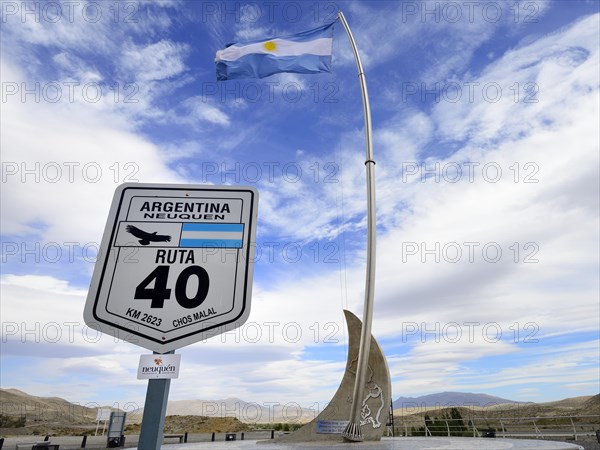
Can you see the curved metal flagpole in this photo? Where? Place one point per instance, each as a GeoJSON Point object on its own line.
{"type": "Point", "coordinates": [353, 432]}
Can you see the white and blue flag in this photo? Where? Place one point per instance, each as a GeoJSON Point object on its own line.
{"type": "Point", "coordinates": [212, 235]}
{"type": "Point", "coordinates": [306, 52]}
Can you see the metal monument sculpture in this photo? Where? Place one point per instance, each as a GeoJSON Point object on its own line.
{"type": "Point", "coordinates": [373, 405]}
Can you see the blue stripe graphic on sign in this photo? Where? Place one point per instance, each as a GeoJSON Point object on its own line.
{"type": "Point", "coordinates": [212, 235]}
{"type": "Point", "coordinates": [211, 243]}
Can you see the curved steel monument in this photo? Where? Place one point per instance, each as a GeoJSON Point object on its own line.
{"type": "Point", "coordinates": [374, 404]}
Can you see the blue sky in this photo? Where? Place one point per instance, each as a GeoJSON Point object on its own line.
{"type": "Point", "coordinates": [485, 120]}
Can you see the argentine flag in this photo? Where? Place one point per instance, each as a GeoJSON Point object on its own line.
{"type": "Point", "coordinates": [212, 235]}
{"type": "Point", "coordinates": [306, 52]}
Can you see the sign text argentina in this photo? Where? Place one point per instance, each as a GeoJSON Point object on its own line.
{"type": "Point", "coordinates": [175, 265]}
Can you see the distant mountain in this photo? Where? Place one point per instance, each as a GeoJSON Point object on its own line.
{"type": "Point", "coordinates": [17, 403]}
{"type": "Point", "coordinates": [248, 412]}
{"type": "Point", "coordinates": [574, 402]}
{"type": "Point", "coordinates": [14, 402]}
{"type": "Point", "coordinates": [449, 399]}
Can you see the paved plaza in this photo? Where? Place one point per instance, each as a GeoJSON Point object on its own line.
{"type": "Point", "coordinates": [400, 443]}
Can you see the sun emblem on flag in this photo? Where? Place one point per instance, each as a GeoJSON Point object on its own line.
{"type": "Point", "coordinates": [270, 46]}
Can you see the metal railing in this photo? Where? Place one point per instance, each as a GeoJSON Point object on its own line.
{"type": "Point", "coordinates": [574, 426]}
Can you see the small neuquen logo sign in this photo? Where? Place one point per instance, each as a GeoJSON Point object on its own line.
{"type": "Point", "coordinates": [163, 366]}
{"type": "Point", "coordinates": [159, 369]}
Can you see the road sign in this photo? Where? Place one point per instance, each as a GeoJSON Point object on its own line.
{"type": "Point", "coordinates": [103, 414]}
{"type": "Point", "coordinates": [175, 264]}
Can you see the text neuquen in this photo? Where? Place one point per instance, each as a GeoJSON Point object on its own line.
{"type": "Point", "coordinates": [159, 369]}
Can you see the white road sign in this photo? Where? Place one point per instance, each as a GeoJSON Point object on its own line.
{"type": "Point", "coordinates": [103, 414]}
{"type": "Point", "coordinates": [175, 264]}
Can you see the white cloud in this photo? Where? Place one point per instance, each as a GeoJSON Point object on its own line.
{"type": "Point", "coordinates": [527, 89]}
{"type": "Point", "coordinates": [76, 25]}
{"type": "Point", "coordinates": [153, 62]}
{"type": "Point", "coordinates": [547, 185]}
{"type": "Point", "coordinates": [76, 69]}
{"type": "Point", "coordinates": [86, 152]}
{"type": "Point", "coordinates": [242, 359]}
{"type": "Point", "coordinates": [199, 109]}
{"type": "Point", "coordinates": [561, 367]}
{"type": "Point", "coordinates": [54, 316]}
{"type": "Point", "coordinates": [537, 207]}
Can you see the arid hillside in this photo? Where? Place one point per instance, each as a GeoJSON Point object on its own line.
{"type": "Point", "coordinates": [24, 414]}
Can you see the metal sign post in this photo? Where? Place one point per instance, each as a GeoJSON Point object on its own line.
{"type": "Point", "coordinates": [155, 409]}
{"type": "Point", "coordinates": [102, 415]}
